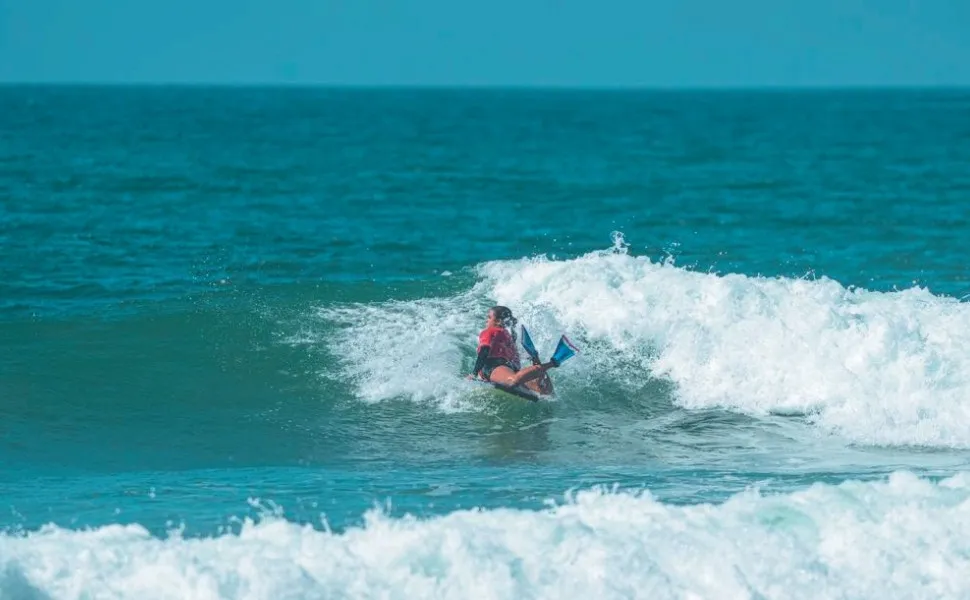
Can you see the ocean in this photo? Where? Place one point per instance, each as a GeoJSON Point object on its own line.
{"type": "Point", "coordinates": [235, 325]}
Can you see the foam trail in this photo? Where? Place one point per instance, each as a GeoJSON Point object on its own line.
{"type": "Point", "coordinates": [412, 350]}
{"type": "Point", "coordinates": [901, 538]}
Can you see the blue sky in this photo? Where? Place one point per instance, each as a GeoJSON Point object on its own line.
{"type": "Point", "coordinates": [499, 42]}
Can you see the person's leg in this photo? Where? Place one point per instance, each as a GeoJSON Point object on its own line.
{"type": "Point", "coordinates": [541, 385]}
{"type": "Point", "coordinates": [544, 384]}
{"type": "Point", "coordinates": [530, 373]}
{"type": "Point", "coordinates": [502, 374]}
{"type": "Point", "coordinates": [506, 376]}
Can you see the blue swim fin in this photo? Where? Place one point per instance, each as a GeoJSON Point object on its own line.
{"type": "Point", "coordinates": [564, 351]}
{"type": "Point", "coordinates": [530, 348]}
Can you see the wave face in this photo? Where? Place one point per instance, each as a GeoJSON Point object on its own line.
{"type": "Point", "coordinates": [882, 368]}
{"type": "Point", "coordinates": [902, 538]}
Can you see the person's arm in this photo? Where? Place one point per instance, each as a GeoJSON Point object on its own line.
{"type": "Point", "coordinates": [480, 361]}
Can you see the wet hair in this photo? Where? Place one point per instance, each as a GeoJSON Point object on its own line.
{"type": "Point", "coordinates": [503, 315]}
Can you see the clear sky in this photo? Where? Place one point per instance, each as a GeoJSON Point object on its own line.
{"type": "Point", "coordinates": [669, 43]}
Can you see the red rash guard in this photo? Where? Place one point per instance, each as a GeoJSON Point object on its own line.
{"type": "Point", "coordinates": [501, 347]}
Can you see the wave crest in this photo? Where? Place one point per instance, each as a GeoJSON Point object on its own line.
{"type": "Point", "coordinates": [877, 368]}
{"type": "Point", "coordinates": [905, 537]}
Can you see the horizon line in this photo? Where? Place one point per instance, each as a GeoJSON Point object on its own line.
{"type": "Point", "coordinates": [490, 86]}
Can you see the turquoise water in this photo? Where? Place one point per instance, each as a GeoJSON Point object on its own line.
{"type": "Point", "coordinates": [235, 325]}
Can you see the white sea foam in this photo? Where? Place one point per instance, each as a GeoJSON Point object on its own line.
{"type": "Point", "coordinates": [412, 350]}
{"type": "Point", "coordinates": [884, 368]}
{"type": "Point", "coordinates": [877, 368]}
{"type": "Point", "coordinates": [901, 538]}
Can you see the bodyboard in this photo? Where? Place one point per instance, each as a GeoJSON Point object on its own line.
{"type": "Point", "coordinates": [518, 391]}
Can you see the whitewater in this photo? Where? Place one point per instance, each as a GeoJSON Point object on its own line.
{"type": "Point", "coordinates": [878, 368]}
{"type": "Point", "coordinates": [904, 538]}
